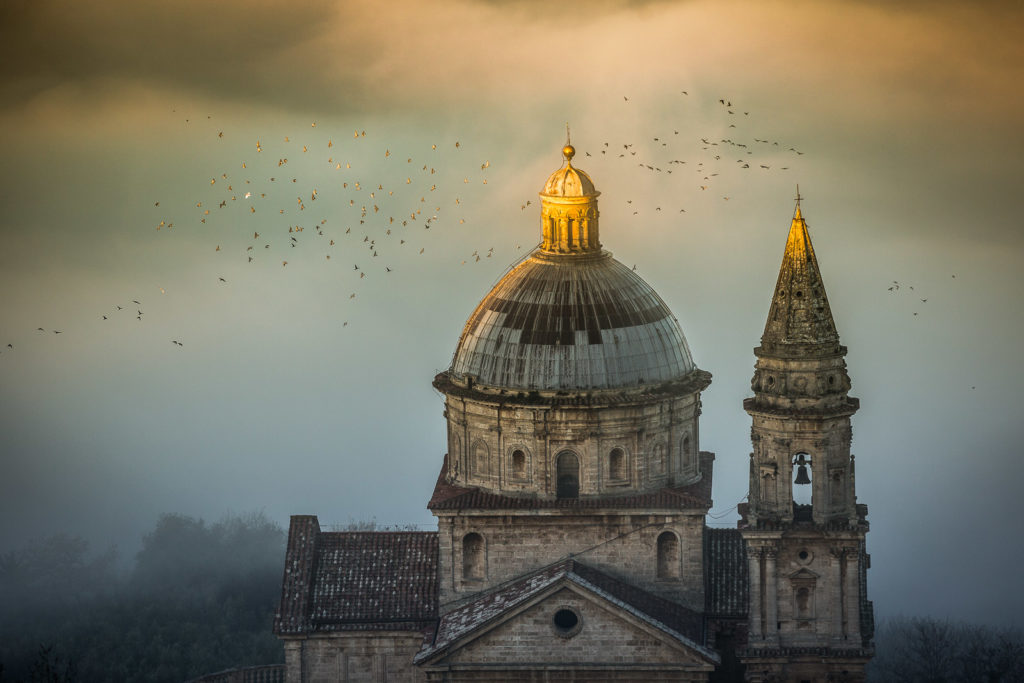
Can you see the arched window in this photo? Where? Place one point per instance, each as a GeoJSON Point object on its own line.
{"type": "Point", "coordinates": [617, 465]}
{"type": "Point", "coordinates": [668, 555]}
{"type": "Point", "coordinates": [472, 556]}
{"type": "Point", "coordinates": [567, 471]}
{"type": "Point", "coordinates": [481, 460]}
{"type": "Point", "coordinates": [518, 464]}
{"type": "Point", "coordinates": [688, 461]}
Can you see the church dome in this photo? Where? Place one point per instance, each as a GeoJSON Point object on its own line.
{"type": "Point", "coordinates": [570, 317]}
{"type": "Point", "coordinates": [571, 323]}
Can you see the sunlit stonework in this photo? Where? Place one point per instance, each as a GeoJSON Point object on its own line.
{"type": "Point", "coordinates": [571, 504]}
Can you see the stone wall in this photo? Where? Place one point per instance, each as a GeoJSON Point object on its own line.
{"type": "Point", "coordinates": [621, 544]}
{"type": "Point", "coordinates": [354, 657]}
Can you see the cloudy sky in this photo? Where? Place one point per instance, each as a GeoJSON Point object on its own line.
{"type": "Point", "coordinates": [144, 146]}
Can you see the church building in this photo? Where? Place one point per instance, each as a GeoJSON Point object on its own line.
{"type": "Point", "coordinates": [571, 540]}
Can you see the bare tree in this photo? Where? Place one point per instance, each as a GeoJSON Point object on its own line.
{"type": "Point", "coordinates": [928, 650]}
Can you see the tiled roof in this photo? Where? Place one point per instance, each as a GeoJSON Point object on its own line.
{"type": "Point", "coordinates": [366, 580]}
{"type": "Point", "coordinates": [677, 617]}
{"type": "Point", "coordinates": [693, 497]}
{"type": "Point", "coordinates": [296, 586]}
{"type": "Point", "coordinates": [725, 573]}
{"type": "Point", "coordinates": [675, 620]}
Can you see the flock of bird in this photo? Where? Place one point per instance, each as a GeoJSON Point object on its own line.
{"type": "Point", "coordinates": [713, 157]}
{"type": "Point", "coordinates": [896, 288]}
{"type": "Point", "coordinates": [372, 205]}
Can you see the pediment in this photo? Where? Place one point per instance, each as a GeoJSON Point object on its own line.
{"type": "Point", "coordinates": [804, 574]}
{"type": "Point", "coordinates": [571, 623]}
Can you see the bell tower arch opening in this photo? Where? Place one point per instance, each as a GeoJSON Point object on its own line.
{"type": "Point", "coordinates": [803, 486]}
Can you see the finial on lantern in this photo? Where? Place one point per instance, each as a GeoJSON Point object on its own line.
{"type": "Point", "coordinates": [568, 151]}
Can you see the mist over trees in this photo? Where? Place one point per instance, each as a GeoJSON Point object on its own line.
{"type": "Point", "coordinates": [198, 598]}
{"type": "Point", "coordinates": [927, 650]}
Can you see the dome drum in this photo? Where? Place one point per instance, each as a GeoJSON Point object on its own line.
{"type": "Point", "coordinates": [514, 448]}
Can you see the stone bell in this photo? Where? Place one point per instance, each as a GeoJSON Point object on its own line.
{"type": "Point", "coordinates": [801, 472]}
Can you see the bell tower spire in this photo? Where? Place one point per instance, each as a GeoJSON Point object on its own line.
{"type": "Point", "coordinates": [799, 318]}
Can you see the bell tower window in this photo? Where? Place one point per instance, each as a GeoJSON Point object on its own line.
{"type": "Point", "coordinates": [802, 479]}
{"type": "Point", "coordinates": [567, 470]}
{"type": "Point", "coordinates": [802, 487]}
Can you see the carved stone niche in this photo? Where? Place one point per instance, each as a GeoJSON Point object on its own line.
{"type": "Point", "coordinates": [803, 582]}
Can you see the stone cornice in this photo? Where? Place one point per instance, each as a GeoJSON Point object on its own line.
{"type": "Point", "coordinates": [694, 382]}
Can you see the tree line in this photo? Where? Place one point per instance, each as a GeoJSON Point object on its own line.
{"type": "Point", "coordinates": [198, 598]}
{"type": "Point", "coordinates": [928, 650]}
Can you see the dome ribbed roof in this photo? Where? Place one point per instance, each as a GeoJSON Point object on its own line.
{"type": "Point", "coordinates": [569, 182]}
{"type": "Point", "coordinates": [571, 323]}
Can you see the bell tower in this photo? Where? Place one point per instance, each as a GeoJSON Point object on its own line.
{"type": "Point", "coordinates": [802, 525]}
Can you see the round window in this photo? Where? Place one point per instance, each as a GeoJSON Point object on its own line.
{"type": "Point", "coordinates": [566, 622]}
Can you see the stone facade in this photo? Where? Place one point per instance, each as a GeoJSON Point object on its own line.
{"type": "Point", "coordinates": [625, 545]}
